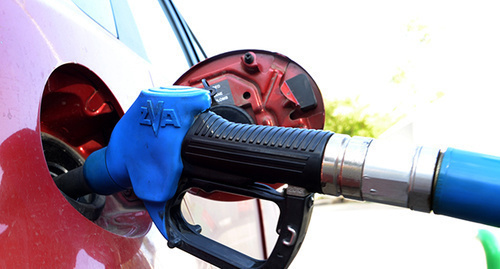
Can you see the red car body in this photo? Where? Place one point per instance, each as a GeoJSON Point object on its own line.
{"type": "Point", "coordinates": [42, 56]}
{"type": "Point", "coordinates": [67, 79]}
{"type": "Point", "coordinates": [69, 71]}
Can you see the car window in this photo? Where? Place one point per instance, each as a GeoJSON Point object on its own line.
{"type": "Point", "coordinates": [126, 27]}
{"type": "Point", "coordinates": [143, 26]}
{"type": "Point", "coordinates": [190, 45]}
{"type": "Point", "coordinates": [116, 17]}
{"type": "Point", "coordinates": [160, 42]}
{"type": "Point", "coordinates": [100, 11]}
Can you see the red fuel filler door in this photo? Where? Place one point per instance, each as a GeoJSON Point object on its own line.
{"type": "Point", "coordinates": [259, 87]}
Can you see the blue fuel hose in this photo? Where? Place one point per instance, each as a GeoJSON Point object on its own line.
{"type": "Point", "coordinates": [468, 187]}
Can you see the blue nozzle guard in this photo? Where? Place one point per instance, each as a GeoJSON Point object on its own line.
{"type": "Point", "coordinates": [144, 152]}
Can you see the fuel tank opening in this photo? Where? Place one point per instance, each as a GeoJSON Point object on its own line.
{"type": "Point", "coordinates": [60, 159]}
{"type": "Point", "coordinates": [77, 115]}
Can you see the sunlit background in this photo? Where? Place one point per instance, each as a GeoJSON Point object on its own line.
{"type": "Point", "coordinates": [390, 53]}
{"type": "Point", "coordinates": [426, 71]}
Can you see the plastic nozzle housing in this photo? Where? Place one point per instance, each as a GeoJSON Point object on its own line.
{"type": "Point", "coordinates": [144, 152]}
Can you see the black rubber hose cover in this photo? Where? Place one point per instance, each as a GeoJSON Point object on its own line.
{"type": "Point", "coordinates": [236, 154]}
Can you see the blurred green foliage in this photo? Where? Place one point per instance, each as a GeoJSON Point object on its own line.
{"type": "Point", "coordinates": [348, 116]}
{"type": "Point", "coordinates": [408, 91]}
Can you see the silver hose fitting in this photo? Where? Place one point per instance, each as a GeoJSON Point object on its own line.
{"type": "Point", "coordinates": [371, 170]}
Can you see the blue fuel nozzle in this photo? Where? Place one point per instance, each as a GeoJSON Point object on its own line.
{"type": "Point", "coordinates": [168, 132]}
{"type": "Point", "coordinates": [144, 152]}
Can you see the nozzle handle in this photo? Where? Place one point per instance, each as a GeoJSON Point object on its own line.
{"type": "Point", "coordinates": [468, 187]}
{"type": "Point", "coordinates": [239, 154]}
{"type": "Point", "coordinates": [295, 206]}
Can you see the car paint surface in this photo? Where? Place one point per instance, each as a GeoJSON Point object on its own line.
{"type": "Point", "coordinates": [64, 75]}
{"type": "Point", "coordinates": [60, 71]}
{"type": "Point", "coordinates": [37, 226]}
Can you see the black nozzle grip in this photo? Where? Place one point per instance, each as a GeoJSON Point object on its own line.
{"type": "Point", "coordinates": [238, 154]}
